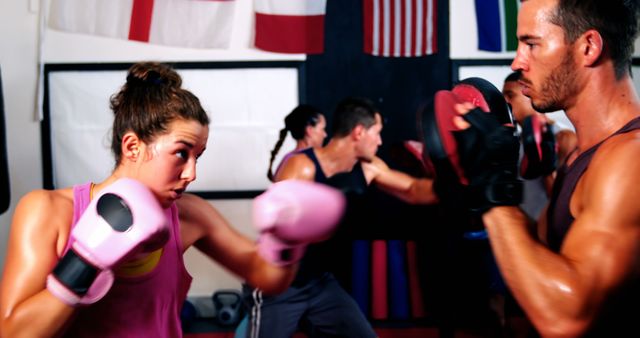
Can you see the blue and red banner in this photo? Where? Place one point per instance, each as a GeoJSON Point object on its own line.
{"type": "Point", "coordinates": [497, 22]}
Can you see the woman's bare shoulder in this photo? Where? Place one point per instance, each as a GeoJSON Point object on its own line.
{"type": "Point", "coordinates": [42, 201]}
{"type": "Point", "coordinates": [48, 213]}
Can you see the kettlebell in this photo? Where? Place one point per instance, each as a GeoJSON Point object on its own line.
{"type": "Point", "coordinates": [227, 304]}
{"type": "Point", "coordinates": [188, 315]}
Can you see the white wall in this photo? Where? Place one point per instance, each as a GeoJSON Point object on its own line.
{"type": "Point", "coordinates": [19, 31]}
{"type": "Point", "coordinates": [18, 58]}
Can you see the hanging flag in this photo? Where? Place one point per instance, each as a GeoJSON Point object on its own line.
{"type": "Point", "coordinates": [184, 23]}
{"type": "Point", "coordinates": [497, 21]}
{"type": "Point", "coordinates": [290, 26]}
{"type": "Point", "coordinates": [400, 28]}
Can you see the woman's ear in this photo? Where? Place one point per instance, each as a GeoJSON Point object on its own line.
{"type": "Point", "coordinates": [308, 130]}
{"type": "Point", "coordinates": [131, 145]}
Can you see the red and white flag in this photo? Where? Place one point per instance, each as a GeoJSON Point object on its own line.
{"type": "Point", "coordinates": [185, 23]}
{"type": "Point", "coordinates": [290, 26]}
{"type": "Point", "coordinates": [400, 28]}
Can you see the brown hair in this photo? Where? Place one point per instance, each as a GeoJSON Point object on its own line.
{"type": "Point", "coordinates": [351, 112]}
{"type": "Point", "coordinates": [149, 101]}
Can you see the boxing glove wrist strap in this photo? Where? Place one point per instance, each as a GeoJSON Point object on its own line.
{"type": "Point", "coordinates": [504, 193]}
{"type": "Point", "coordinates": [497, 193]}
{"type": "Point", "coordinates": [76, 282]}
{"type": "Point", "coordinates": [75, 273]}
{"type": "Point", "coordinates": [278, 252]}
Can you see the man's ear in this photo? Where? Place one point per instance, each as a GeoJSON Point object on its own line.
{"type": "Point", "coordinates": [131, 146]}
{"type": "Point", "coordinates": [357, 132]}
{"type": "Point", "coordinates": [590, 46]}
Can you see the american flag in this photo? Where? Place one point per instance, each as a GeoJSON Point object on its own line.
{"type": "Point", "coordinates": [400, 28]}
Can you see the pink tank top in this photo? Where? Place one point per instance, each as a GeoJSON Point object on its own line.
{"type": "Point", "coordinates": [144, 306]}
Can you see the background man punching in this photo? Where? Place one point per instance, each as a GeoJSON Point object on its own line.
{"type": "Point", "coordinates": [348, 162]}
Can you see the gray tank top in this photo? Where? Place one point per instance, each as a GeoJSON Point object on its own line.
{"type": "Point", "coordinates": [620, 312]}
{"type": "Point", "coordinates": [559, 216]}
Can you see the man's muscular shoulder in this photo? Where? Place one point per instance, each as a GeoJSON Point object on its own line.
{"type": "Point", "coordinates": [618, 151]}
{"type": "Point", "coordinates": [299, 166]}
{"type": "Point", "coordinates": [612, 172]}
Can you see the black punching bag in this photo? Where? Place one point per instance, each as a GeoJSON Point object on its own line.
{"type": "Point", "coordinates": [5, 192]}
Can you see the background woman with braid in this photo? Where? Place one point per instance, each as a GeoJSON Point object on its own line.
{"type": "Point", "coordinates": [307, 126]}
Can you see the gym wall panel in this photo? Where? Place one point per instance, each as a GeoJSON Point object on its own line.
{"type": "Point", "coordinates": [245, 108]}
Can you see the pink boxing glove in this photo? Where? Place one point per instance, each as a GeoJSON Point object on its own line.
{"type": "Point", "coordinates": [124, 219]}
{"type": "Point", "coordinates": [292, 214]}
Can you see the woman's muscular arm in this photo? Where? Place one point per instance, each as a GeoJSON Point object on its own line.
{"type": "Point", "coordinates": [39, 232]}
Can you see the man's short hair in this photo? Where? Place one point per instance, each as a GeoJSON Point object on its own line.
{"type": "Point", "coordinates": [615, 20]}
{"type": "Point", "coordinates": [351, 112]}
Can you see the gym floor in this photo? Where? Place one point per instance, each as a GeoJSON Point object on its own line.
{"type": "Point", "coordinates": [207, 328]}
